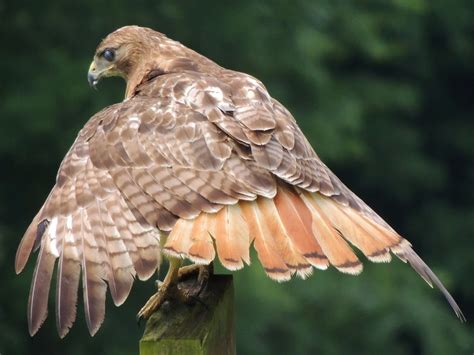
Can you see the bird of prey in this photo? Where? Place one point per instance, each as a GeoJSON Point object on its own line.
{"type": "Point", "coordinates": [197, 162]}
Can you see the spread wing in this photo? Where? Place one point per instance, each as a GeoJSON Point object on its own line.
{"type": "Point", "coordinates": [212, 161]}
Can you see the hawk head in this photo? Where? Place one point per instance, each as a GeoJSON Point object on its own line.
{"type": "Point", "coordinates": [133, 52]}
{"type": "Point", "coordinates": [122, 51]}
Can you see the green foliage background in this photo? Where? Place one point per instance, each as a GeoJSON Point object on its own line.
{"type": "Point", "coordinates": [384, 91]}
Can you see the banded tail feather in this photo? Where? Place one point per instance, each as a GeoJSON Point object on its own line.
{"type": "Point", "coordinates": [292, 232]}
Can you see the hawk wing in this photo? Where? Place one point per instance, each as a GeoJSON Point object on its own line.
{"type": "Point", "coordinates": [216, 163]}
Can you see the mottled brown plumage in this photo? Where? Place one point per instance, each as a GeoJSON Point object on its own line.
{"type": "Point", "coordinates": [202, 153]}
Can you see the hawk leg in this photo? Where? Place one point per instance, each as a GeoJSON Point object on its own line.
{"type": "Point", "coordinates": [170, 290]}
{"type": "Point", "coordinates": [203, 271]}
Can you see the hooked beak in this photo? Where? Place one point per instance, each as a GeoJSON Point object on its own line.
{"type": "Point", "coordinates": [93, 80]}
{"type": "Point", "coordinates": [93, 75]}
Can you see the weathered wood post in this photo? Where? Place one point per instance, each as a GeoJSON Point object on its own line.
{"type": "Point", "coordinates": [204, 328]}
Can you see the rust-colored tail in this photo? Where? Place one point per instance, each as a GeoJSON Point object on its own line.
{"type": "Point", "coordinates": [292, 233]}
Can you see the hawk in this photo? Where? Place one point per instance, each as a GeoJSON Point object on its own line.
{"type": "Point", "coordinates": [197, 162]}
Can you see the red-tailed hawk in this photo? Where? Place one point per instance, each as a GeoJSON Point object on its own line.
{"type": "Point", "coordinates": [198, 161]}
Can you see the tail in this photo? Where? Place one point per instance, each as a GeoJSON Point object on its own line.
{"type": "Point", "coordinates": [292, 233]}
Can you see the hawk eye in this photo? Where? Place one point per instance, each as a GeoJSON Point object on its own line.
{"type": "Point", "coordinates": [109, 55]}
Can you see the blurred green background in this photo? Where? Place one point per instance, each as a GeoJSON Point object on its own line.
{"type": "Point", "coordinates": [383, 89]}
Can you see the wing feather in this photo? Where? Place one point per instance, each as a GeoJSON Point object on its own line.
{"type": "Point", "coordinates": [31, 236]}
{"type": "Point", "coordinates": [94, 271]}
{"type": "Point", "coordinates": [69, 271]}
{"type": "Point", "coordinates": [40, 285]}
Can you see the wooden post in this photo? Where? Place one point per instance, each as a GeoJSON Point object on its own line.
{"type": "Point", "coordinates": [205, 328]}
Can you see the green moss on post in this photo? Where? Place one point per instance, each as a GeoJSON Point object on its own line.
{"type": "Point", "coordinates": [205, 328]}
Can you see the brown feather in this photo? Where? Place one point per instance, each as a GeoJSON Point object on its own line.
{"type": "Point", "coordinates": [376, 230]}
{"type": "Point", "coordinates": [255, 117]}
{"type": "Point", "coordinates": [142, 240]}
{"type": "Point", "coordinates": [232, 238]}
{"type": "Point", "coordinates": [334, 247]}
{"type": "Point", "coordinates": [405, 252]}
{"type": "Point", "coordinates": [202, 249]}
{"type": "Point", "coordinates": [179, 240]}
{"type": "Point", "coordinates": [211, 185]}
{"type": "Point", "coordinates": [27, 242]}
{"type": "Point", "coordinates": [266, 249]}
{"type": "Point", "coordinates": [141, 199]}
{"type": "Point", "coordinates": [351, 228]}
{"type": "Point", "coordinates": [297, 220]}
{"type": "Point", "coordinates": [93, 274]}
{"type": "Point", "coordinates": [293, 259]}
{"type": "Point", "coordinates": [268, 156]}
{"type": "Point", "coordinates": [120, 264]}
{"type": "Point", "coordinates": [69, 272]}
{"type": "Point", "coordinates": [40, 285]}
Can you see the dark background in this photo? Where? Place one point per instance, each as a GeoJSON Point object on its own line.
{"type": "Point", "coordinates": [383, 90]}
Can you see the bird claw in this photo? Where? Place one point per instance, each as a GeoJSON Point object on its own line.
{"type": "Point", "coordinates": [169, 290]}
{"type": "Point", "coordinates": [158, 284]}
{"type": "Point", "coordinates": [153, 303]}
